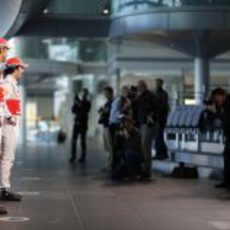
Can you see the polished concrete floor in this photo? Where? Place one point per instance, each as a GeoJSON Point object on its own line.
{"type": "Point", "coordinates": [58, 196]}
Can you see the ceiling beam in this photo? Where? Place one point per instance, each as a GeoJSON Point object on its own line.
{"type": "Point", "coordinates": [66, 26]}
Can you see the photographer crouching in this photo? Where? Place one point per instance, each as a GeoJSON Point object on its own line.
{"type": "Point", "coordinates": [131, 157]}
{"type": "Point", "coordinates": [120, 106]}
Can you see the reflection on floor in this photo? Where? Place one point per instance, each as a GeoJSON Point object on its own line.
{"type": "Point", "coordinates": [58, 196]}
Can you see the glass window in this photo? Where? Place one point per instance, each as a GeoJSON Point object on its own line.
{"type": "Point", "coordinates": [128, 6]}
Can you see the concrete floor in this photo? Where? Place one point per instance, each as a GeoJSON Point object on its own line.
{"type": "Point", "coordinates": [60, 196]}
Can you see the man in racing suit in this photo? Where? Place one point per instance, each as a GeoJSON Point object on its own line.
{"type": "Point", "coordinates": [3, 55]}
{"type": "Point", "coordinates": [12, 74]}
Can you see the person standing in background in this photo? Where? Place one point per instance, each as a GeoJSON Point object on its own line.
{"type": "Point", "coordinates": [80, 109]}
{"type": "Point", "coordinates": [163, 107]}
{"type": "Point", "coordinates": [120, 107]}
{"type": "Point", "coordinates": [221, 101]}
{"type": "Point", "coordinates": [104, 121]}
{"type": "Point", "coordinates": [3, 56]}
{"type": "Point", "coordinates": [147, 113]}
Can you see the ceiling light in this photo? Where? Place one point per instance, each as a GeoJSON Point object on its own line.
{"type": "Point", "coordinates": [106, 8]}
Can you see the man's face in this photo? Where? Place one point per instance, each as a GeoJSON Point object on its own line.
{"type": "Point", "coordinates": [219, 100]}
{"type": "Point", "coordinates": [84, 94]}
{"type": "Point", "coordinates": [3, 54]}
{"type": "Point", "coordinates": [125, 92]}
{"type": "Point", "coordinates": [108, 95]}
{"type": "Point", "coordinates": [141, 87]}
{"type": "Point", "coordinates": [18, 73]}
{"type": "Point", "coordinates": [158, 84]}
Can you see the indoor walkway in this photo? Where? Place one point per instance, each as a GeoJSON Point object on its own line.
{"type": "Point", "coordinates": [58, 196]}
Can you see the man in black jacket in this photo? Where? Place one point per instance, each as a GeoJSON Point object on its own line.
{"type": "Point", "coordinates": [80, 109]}
{"type": "Point", "coordinates": [222, 104]}
{"type": "Point", "coordinates": [147, 110]}
{"type": "Point", "coordinates": [163, 107]}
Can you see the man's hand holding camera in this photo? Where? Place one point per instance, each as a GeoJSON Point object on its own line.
{"type": "Point", "coordinates": [11, 121]}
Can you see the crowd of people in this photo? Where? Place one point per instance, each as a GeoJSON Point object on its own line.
{"type": "Point", "coordinates": [134, 122]}
{"type": "Point", "coordinates": [220, 107]}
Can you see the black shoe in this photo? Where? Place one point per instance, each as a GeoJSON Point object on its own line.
{"type": "Point", "coordinates": [145, 176]}
{"type": "Point", "coordinates": [221, 185]}
{"type": "Point", "coordinates": [72, 159]}
{"type": "Point", "coordinates": [160, 158]}
{"type": "Point", "coordinates": [3, 211]}
{"type": "Point", "coordinates": [81, 160]}
{"type": "Point", "coordinates": [10, 196]}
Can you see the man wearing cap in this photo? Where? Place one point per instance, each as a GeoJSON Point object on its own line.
{"type": "Point", "coordinates": [12, 73]}
{"type": "Point", "coordinates": [3, 55]}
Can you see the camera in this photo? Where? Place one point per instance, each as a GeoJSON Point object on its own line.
{"type": "Point", "coordinates": [208, 102]}
{"type": "Point", "coordinates": [102, 115]}
{"type": "Point", "coordinates": [100, 110]}
{"type": "Point", "coordinates": [121, 118]}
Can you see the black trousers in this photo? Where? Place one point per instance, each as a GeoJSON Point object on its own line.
{"type": "Point", "coordinates": [113, 129]}
{"type": "Point", "coordinates": [82, 132]}
{"type": "Point", "coordinates": [227, 162]}
{"type": "Point", "coordinates": [130, 166]}
{"type": "Point", "coordinates": [160, 146]}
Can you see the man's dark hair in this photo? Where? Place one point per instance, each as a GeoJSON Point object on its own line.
{"type": "Point", "coordinates": [218, 91]}
{"type": "Point", "coordinates": [76, 97]}
{"type": "Point", "coordinates": [109, 89]}
{"type": "Point", "coordinates": [134, 88]}
{"type": "Point", "coordinates": [85, 91]}
{"type": "Point", "coordinates": [10, 70]}
{"type": "Point", "coordinates": [160, 80]}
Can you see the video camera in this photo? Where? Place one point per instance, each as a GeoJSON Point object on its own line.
{"type": "Point", "coordinates": [208, 102]}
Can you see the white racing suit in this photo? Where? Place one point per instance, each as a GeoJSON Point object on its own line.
{"type": "Point", "coordinates": [9, 133]}
{"type": "Point", "coordinates": [1, 122]}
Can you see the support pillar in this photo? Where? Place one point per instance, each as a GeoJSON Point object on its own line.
{"type": "Point", "coordinates": [23, 126]}
{"type": "Point", "coordinates": [118, 81]}
{"type": "Point", "coordinates": [202, 68]}
{"type": "Point", "coordinates": [201, 80]}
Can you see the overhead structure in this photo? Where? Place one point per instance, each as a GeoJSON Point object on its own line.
{"type": "Point", "coordinates": [15, 13]}
{"type": "Point", "coordinates": [197, 28]}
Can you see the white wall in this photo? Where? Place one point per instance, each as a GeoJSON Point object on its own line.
{"type": "Point", "coordinates": [45, 107]}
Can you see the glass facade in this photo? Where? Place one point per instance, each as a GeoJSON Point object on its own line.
{"type": "Point", "coordinates": [129, 6]}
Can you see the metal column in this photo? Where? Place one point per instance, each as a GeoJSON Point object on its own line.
{"type": "Point", "coordinates": [201, 80]}
{"type": "Point", "coordinates": [202, 68]}
{"type": "Point", "coordinates": [23, 127]}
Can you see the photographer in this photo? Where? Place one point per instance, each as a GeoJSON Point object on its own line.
{"type": "Point", "coordinates": [130, 151]}
{"type": "Point", "coordinates": [80, 109]}
{"type": "Point", "coordinates": [209, 117]}
{"type": "Point", "coordinates": [133, 96]}
{"type": "Point", "coordinates": [163, 107]}
{"type": "Point", "coordinates": [120, 106]}
{"type": "Point", "coordinates": [147, 112]}
{"type": "Point", "coordinates": [104, 114]}
{"type": "Point", "coordinates": [222, 106]}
